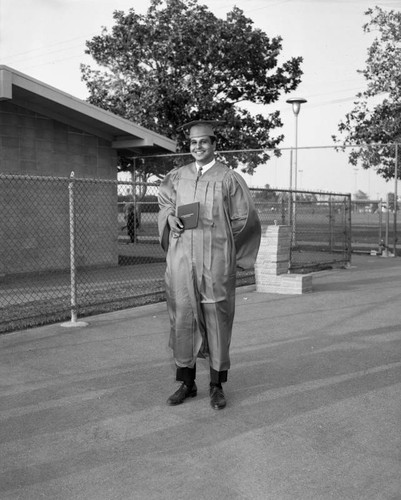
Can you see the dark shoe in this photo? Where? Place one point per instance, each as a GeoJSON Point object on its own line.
{"type": "Point", "coordinates": [217, 398]}
{"type": "Point", "coordinates": [181, 394]}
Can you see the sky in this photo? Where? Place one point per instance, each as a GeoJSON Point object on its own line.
{"type": "Point", "coordinates": [45, 39]}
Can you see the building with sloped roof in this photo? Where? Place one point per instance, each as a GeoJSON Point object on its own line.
{"type": "Point", "coordinates": [45, 135]}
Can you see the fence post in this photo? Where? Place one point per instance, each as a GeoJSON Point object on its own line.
{"type": "Point", "coordinates": [282, 211]}
{"type": "Point", "coordinates": [331, 229]}
{"type": "Point", "coordinates": [386, 252]}
{"type": "Point", "coordinates": [348, 215]}
{"type": "Point", "coordinates": [73, 268]}
{"type": "Point", "coordinates": [133, 187]}
{"type": "Point", "coordinates": [395, 199]}
{"type": "Point", "coordinates": [380, 222]}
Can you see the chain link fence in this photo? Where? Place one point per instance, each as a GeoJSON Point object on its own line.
{"type": "Point", "coordinates": [63, 250]}
{"type": "Point", "coordinates": [76, 246]}
{"type": "Point", "coordinates": [73, 246]}
{"type": "Point", "coordinates": [375, 227]}
{"type": "Point", "coordinates": [321, 225]}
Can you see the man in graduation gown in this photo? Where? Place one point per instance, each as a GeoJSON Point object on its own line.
{"type": "Point", "coordinates": [202, 261]}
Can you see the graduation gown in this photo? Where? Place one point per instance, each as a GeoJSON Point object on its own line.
{"type": "Point", "coordinates": [201, 263]}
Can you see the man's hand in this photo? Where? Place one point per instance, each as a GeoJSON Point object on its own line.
{"type": "Point", "coordinates": [176, 226]}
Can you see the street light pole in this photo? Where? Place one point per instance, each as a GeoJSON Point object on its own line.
{"type": "Point", "coordinates": [296, 107]}
{"type": "Point", "coordinates": [300, 179]}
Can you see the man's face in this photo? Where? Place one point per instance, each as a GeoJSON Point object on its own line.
{"type": "Point", "coordinates": [202, 149]}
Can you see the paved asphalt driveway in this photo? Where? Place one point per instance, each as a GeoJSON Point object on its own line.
{"type": "Point", "coordinates": [314, 402]}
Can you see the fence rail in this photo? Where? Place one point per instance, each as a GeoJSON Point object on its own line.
{"type": "Point", "coordinates": [66, 249]}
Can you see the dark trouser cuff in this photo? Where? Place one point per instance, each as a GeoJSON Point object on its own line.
{"type": "Point", "coordinates": [186, 375]}
{"type": "Point", "coordinates": [218, 377]}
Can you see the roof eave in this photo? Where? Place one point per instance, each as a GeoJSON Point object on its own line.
{"type": "Point", "coordinates": [43, 98]}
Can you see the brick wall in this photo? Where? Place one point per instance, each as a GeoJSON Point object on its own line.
{"type": "Point", "coordinates": [34, 144]}
{"type": "Point", "coordinates": [34, 219]}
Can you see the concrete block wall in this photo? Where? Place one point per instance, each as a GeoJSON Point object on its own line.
{"type": "Point", "coordinates": [271, 268]}
{"type": "Point", "coordinates": [34, 144]}
{"type": "Point", "coordinates": [34, 225]}
{"type": "Point", "coordinates": [291, 284]}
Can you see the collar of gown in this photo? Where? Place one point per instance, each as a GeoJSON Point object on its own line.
{"type": "Point", "coordinates": [207, 166]}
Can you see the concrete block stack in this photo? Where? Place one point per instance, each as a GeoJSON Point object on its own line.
{"type": "Point", "coordinates": [271, 268]}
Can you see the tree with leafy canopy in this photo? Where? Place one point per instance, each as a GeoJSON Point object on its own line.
{"type": "Point", "coordinates": [376, 117]}
{"type": "Point", "coordinates": [179, 63]}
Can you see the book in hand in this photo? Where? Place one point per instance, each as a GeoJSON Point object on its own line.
{"type": "Point", "coordinates": [189, 214]}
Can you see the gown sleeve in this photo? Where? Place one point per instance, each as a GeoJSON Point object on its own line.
{"type": "Point", "coordinates": [245, 223]}
{"type": "Point", "coordinates": [167, 203]}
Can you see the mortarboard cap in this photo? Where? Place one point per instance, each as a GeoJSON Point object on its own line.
{"type": "Point", "coordinates": [200, 128]}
